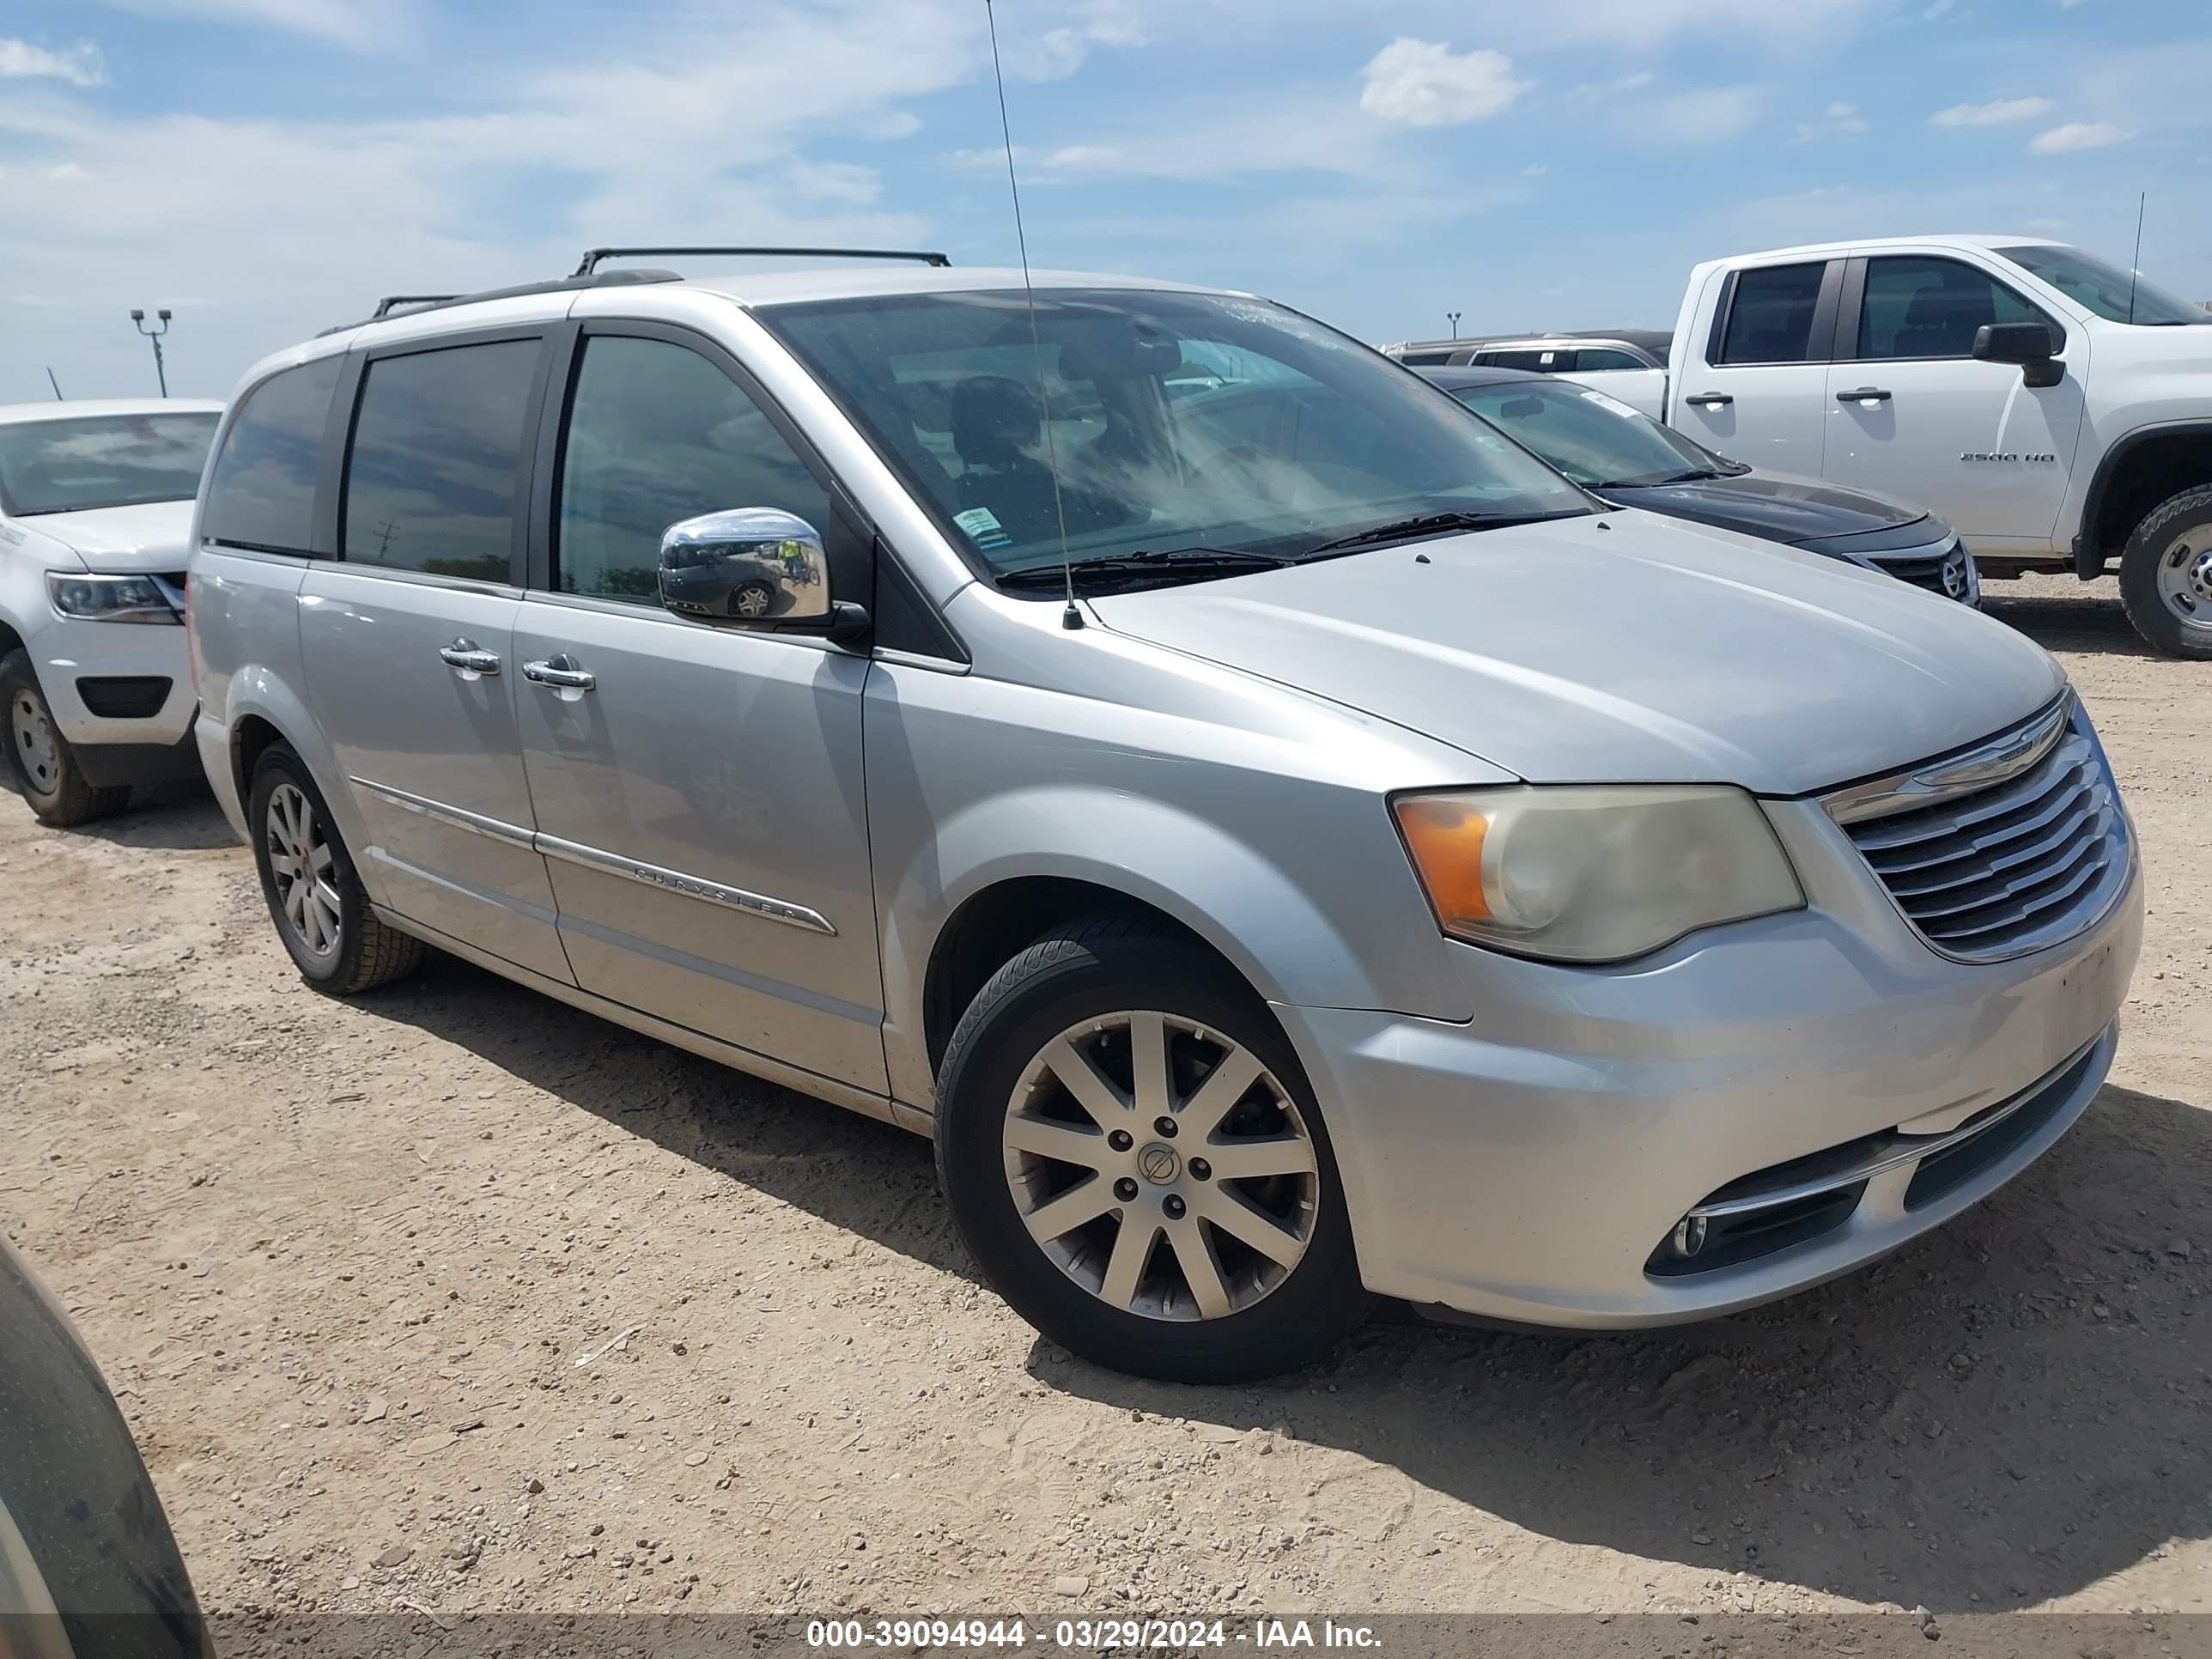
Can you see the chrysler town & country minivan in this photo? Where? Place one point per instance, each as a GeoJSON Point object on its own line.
{"type": "Point", "coordinates": [1280, 866]}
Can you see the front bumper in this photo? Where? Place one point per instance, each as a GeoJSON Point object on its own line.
{"type": "Point", "coordinates": [1527, 1164]}
{"type": "Point", "coordinates": [120, 661]}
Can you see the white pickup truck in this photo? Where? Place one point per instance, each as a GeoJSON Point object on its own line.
{"type": "Point", "coordinates": [2055, 409]}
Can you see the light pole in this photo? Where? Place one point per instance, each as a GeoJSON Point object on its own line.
{"type": "Point", "coordinates": [1453, 318]}
{"type": "Point", "coordinates": [154, 335]}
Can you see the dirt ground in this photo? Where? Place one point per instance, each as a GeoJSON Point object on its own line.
{"type": "Point", "coordinates": [452, 1299]}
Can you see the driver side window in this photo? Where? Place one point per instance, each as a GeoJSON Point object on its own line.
{"type": "Point", "coordinates": [656, 433]}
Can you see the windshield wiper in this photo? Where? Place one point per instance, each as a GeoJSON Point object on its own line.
{"type": "Point", "coordinates": [1428, 523]}
{"type": "Point", "coordinates": [1194, 562]}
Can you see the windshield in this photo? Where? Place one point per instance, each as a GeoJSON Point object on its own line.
{"type": "Point", "coordinates": [1592, 437]}
{"type": "Point", "coordinates": [108, 460]}
{"type": "Point", "coordinates": [2088, 280]}
{"type": "Point", "coordinates": [1175, 421]}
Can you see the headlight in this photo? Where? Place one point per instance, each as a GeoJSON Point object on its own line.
{"type": "Point", "coordinates": [1593, 874]}
{"type": "Point", "coordinates": [111, 599]}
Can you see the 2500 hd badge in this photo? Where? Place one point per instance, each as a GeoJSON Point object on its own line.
{"type": "Point", "coordinates": [2006, 455]}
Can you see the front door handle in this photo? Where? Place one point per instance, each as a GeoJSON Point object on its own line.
{"type": "Point", "coordinates": [1710, 400]}
{"type": "Point", "coordinates": [561, 672]}
{"type": "Point", "coordinates": [469, 658]}
{"type": "Point", "coordinates": [1865, 394]}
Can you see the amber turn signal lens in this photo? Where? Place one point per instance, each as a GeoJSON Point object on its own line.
{"type": "Point", "coordinates": [1445, 835]}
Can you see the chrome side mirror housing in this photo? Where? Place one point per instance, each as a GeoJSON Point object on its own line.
{"type": "Point", "coordinates": [755, 567]}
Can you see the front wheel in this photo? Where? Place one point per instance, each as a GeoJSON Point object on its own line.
{"type": "Point", "coordinates": [2166, 575]}
{"type": "Point", "coordinates": [40, 759]}
{"type": "Point", "coordinates": [1134, 1155]}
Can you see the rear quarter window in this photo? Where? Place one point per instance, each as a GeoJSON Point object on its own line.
{"type": "Point", "coordinates": [261, 494]}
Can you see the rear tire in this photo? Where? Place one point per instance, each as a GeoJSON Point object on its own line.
{"type": "Point", "coordinates": [40, 758]}
{"type": "Point", "coordinates": [1171, 1266]}
{"type": "Point", "coordinates": [315, 898]}
{"type": "Point", "coordinates": [2166, 575]}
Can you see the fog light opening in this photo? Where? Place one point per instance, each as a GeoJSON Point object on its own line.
{"type": "Point", "coordinates": [1689, 1236]}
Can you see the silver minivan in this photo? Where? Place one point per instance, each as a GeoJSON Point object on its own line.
{"type": "Point", "coordinates": [1287, 849]}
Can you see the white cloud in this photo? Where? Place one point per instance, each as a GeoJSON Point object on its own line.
{"type": "Point", "coordinates": [1059, 52]}
{"type": "Point", "coordinates": [1710, 116]}
{"type": "Point", "coordinates": [79, 64]}
{"type": "Point", "coordinates": [1838, 120]}
{"type": "Point", "coordinates": [2078, 135]}
{"type": "Point", "coordinates": [1990, 115]}
{"type": "Point", "coordinates": [1632, 81]}
{"type": "Point", "coordinates": [1425, 83]}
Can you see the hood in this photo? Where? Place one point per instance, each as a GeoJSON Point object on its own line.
{"type": "Point", "coordinates": [1772, 505]}
{"type": "Point", "coordinates": [1648, 651]}
{"type": "Point", "coordinates": [155, 537]}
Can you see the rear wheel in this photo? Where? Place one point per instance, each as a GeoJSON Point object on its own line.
{"type": "Point", "coordinates": [1134, 1155]}
{"type": "Point", "coordinates": [2166, 575]}
{"type": "Point", "coordinates": [40, 759]}
{"type": "Point", "coordinates": [314, 898]}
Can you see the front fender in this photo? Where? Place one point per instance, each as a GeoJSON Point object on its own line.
{"type": "Point", "coordinates": [1373, 944]}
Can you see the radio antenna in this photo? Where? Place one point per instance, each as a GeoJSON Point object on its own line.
{"type": "Point", "coordinates": [1070, 617]}
{"type": "Point", "coordinates": [2135, 265]}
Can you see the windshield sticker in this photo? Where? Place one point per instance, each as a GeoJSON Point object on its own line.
{"type": "Point", "coordinates": [983, 527]}
{"type": "Point", "coordinates": [1604, 402]}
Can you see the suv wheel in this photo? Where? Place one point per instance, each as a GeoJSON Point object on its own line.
{"type": "Point", "coordinates": [2166, 575]}
{"type": "Point", "coordinates": [40, 759]}
{"type": "Point", "coordinates": [1134, 1156]}
{"type": "Point", "coordinates": [314, 898]}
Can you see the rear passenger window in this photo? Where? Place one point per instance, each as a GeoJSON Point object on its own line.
{"type": "Point", "coordinates": [656, 433]}
{"type": "Point", "coordinates": [262, 494]}
{"type": "Point", "coordinates": [433, 480]}
{"type": "Point", "coordinates": [1923, 308]}
{"type": "Point", "coordinates": [1587, 358]}
{"type": "Point", "coordinates": [1541, 361]}
{"type": "Point", "coordinates": [1771, 315]}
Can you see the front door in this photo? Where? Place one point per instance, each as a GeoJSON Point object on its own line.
{"type": "Point", "coordinates": [408, 642]}
{"type": "Point", "coordinates": [1912, 414]}
{"type": "Point", "coordinates": [697, 788]}
{"type": "Point", "coordinates": [1752, 388]}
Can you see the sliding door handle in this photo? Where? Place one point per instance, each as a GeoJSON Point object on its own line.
{"type": "Point", "coordinates": [469, 658]}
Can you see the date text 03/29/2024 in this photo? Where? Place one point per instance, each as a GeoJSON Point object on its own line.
{"type": "Point", "coordinates": [1086, 1635]}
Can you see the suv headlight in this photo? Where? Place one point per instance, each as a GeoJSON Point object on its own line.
{"type": "Point", "coordinates": [1593, 874]}
{"type": "Point", "coordinates": [110, 598]}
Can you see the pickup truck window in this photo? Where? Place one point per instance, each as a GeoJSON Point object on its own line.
{"type": "Point", "coordinates": [2116, 295]}
{"type": "Point", "coordinates": [1917, 306]}
{"type": "Point", "coordinates": [1769, 317]}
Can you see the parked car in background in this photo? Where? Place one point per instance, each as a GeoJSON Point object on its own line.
{"type": "Point", "coordinates": [1615, 452]}
{"type": "Point", "coordinates": [1629, 362]}
{"type": "Point", "coordinates": [96, 518]}
{"type": "Point", "coordinates": [1284, 841]}
{"type": "Point", "coordinates": [2056, 409]}
{"type": "Point", "coordinates": [88, 1566]}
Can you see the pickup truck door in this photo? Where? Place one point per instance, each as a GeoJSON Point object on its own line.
{"type": "Point", "coordinates": [1751, 374]}
{"type": "Point", "coordinates": [1912, 413]}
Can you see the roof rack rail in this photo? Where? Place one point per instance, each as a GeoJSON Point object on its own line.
{"type": "Point", "coordinates": [593, 256]}
{"type": "Point", "coordinates": [558, 285]}
{"type": "Point", "coordinates": [391, 303]}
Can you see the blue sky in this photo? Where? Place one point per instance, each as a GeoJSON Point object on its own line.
{"type": "Point", "coordinates": [268, 167]}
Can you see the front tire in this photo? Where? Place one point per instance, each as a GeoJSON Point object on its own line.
{"type": "Point", "coordinates": [1134, 1157]}
{"type": "Point", "coordinates": [40, 759]}
{"type": "Point", "coordinates": [315, 898]}
{"type": "Point", "coordinates": [2166, 575]}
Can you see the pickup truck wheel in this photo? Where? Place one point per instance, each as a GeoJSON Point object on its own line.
{"type": "Point", "coordinates": [1134, 1156]}
{"type": "Point", "coordinates": [40, 758]}
{"type": "Point", "coordinates": [321, 912]}
{"type": "Point", "coordinates": [2166, 575]}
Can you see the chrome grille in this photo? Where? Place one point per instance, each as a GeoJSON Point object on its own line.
{"type": "Point", "coordinates": [2014, 847]}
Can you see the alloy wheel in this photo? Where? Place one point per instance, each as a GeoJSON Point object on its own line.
{"type": "Point", "coordinates": [1160, 1165]}
{"type": "Point", "coordinates": [301, 863]}
{"type": "Point", "coordinates": [38, 750]}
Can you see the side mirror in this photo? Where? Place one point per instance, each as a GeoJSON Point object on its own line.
{"type": "Point", "coordinates": [753, 566]}
{"type": "Point", "coordinates": [2028, 344]}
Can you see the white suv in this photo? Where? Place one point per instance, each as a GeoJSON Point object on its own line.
{"type": "Point", "coordinates": [95, 522]}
